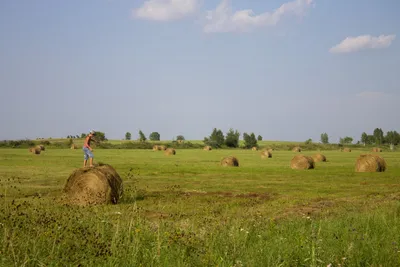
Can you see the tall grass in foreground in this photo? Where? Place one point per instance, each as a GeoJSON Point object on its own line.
{"type": "Point", "coordinates": [40, 233]}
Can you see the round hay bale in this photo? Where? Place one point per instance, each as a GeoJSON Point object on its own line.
{"type": "Point", "coordinates": [270, 149]}
{"type": "Point", "coordinates": [162, 147]}
{"type": "Point", "coordinates": [346, 149]}
{"type": "Point", "coordinates": [207, 148]}
{"type": "Point", "coordinates": [296, 149]}
{"type": "Point", "coordinates": [266, 154]}
{"type": "Point", "coordinates": [155, 148]}
{"type": "Point", "coordinates": [230, 161]}
{"type": "Point", "coordinates": [376, 149]}
{"type": "Point", "coordinates": [370, 163]}
{"type": "Point", "coordinates": [170, 151]}
{"type": "Point", "coordinates": [319, 158]}
{"type": "Point", "coordinates": [35, 150]}
{"type": "Point", "coordinates": [42, 148]}
{"type": "Point", "coordinates": [254, 148]}
{"type": "Point", "coordinates": [302, 162]}
{"type": "Point", "coordinates": [73, 146]}
{"type": "Point", "coordinates": [180, 141]}
{"type": "Point", "coordinates": [94, 185]}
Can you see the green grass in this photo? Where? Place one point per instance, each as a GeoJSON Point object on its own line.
{"type": "Point", "coordinates": [187, 210]}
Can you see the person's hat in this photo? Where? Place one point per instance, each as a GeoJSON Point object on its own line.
{"type": "Point", "coordinates": [92, 131]}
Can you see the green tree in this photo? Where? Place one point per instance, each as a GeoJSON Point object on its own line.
{"type": "Point", "coordinates": [259, 138]}
{"type": "Point", "coordinates": [378, 134]}
{"type": "Point", "coordinates": [249, 140]}
{"type": "Point", "coordinates": [180, 138]}
{"type": "Point", "coordinates": [100, 136]}
{"type": "Point", "coordinates": [308, 141]}
{"type": "Point", "coordinates": [142, 137]}
{"type": "Point", "coordinates": [128, 136]}
{"type": "Point", "coordinates": [346, 140]}
{"type": "Point", "coordinates": [364, 138]}
{"type": "Point", "coordinates": [324, 138]}
{"type": "Point", "coordinates": [154, 136]}
{"type": "Point", "coordinates": [392, 137]}
{"type": "Point", "coordinates": [216, 139]}
{"type": "Point", "coordinates": [83, 135]}
{"type": "Point", "coordinates": [232, 138]}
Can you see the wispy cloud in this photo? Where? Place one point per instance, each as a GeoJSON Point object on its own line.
{"type": "Point", "coordinates": [223, 19]}
{"type": "Point", "coordinates": [353, 44]}
{"type": "Point", "coordinates": [165, 10]}
{"type": "Point", "coordinates": [371, 94]}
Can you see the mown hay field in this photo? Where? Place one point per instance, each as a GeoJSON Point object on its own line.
{"type": "Point", "coordinates": [188, 210]}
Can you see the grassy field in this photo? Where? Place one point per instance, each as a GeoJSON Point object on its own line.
{"type": "Point", "coordinates": [187, 210]}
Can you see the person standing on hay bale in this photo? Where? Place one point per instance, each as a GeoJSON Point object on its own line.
{"type": "Point", "coordinates": [87, 150]}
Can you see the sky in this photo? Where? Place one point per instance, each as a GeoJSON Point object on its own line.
{"type": "Point", "coordinates": [285, 70]}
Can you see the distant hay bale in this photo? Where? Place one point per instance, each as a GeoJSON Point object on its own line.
{"type": "Point", "coordinates": [270, 149]}
{"type": "Point", "coordinates": [370, 163]}
{"type": "Point", "coordinates": [207, 148]}
{"type": "Point", "coordinates": [319, 158]}
{"type": "Point", "coordinates": [296, 149]}
{"type": "Point", "coordinates": [346, 149]}
{"type": "Point", "coordinates": [155, 148]}
{"type": "Point", "coordinates": [230, 161]}
{"type": "Point", "coordinates": [170, 151]}
{"type": "Point", "coordinates": [162, 147]}
{"type": "Point", "coordinates": [35, 150]}
{"type": "Point", "coordinates": [254, 148]}
{"type": "Point", "coordinates": [73, 146]}
{"type": "Point", "coordinates": [180, 141]}
{"type": "Point", "coordinates": [302, 162]}
{"type": "Point", "coordinates": [42, 148]}
{"type": "Point", "coordinates": [93, 185]}
{"type": "Point", "coordinates": [266, 154]}
{"type": "Point", "coordinates": [376, 149]}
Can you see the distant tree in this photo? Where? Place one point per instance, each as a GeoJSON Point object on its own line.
{"type": "Point", "coordinates": [249, 140]}
{"type": "Point", "coordinates": [308, 141]}
{"type": "Point", "coordinates": [77, 136]}
{"type": "Point", "coordinates": [83, 135]}
{"type": "Point", "coordinates": [346, 140]}
{"type": "Point", "coordinates": [378, 134]}
{"type": "Point", "coordinates": [259, 138]}
{"type": "Point", "coordinates": [216, 139]}
{"type": "Point", "coordinates": [142, 137]}
{"type": "Point", "coordinates": [392, 138]}
{"type": "Point", "coordinates": [180, 138]}
{"type": "Point", "coordinates": [128, 136]}
{"type": "Point", "coordinates": [232, 138]}
{"type": "Point", "coordinates": [70, 142]}
{"type": "Point", "coordinates": [154, 136]}
{"type": "Point", "coordinates": [324, 138]}
{"type": "Point", "coordinates": [100, 136]}
{"type": "Point", "coordinates": [364, 138]}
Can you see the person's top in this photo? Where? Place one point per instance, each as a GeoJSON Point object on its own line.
{"type": "Point", "coordinates": [87, 141]}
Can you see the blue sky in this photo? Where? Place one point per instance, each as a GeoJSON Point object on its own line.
{"type": "Point", "coordinates": [288, 70]}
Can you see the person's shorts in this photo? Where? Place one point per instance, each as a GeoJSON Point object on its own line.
{"type": "Point", "coordinates": [87, 153]}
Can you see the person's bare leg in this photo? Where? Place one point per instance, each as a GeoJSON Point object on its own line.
{"type": "Point", "coordinates": [91, 162]}
{"type": "Point", "coordinates": [84, 162]}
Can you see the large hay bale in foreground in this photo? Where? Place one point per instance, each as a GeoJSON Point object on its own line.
{"type": "Point", "coordinates": [94, 185]}
{"type": "Point", "coordinates": [302, 162]}
{"type": "Point", "coordinates": [296, 149]}
{"type": "Point", "coordinates": [266, 154]}
{"type": "Point", "coordinates": [346, 149]}
{"type": "Point", "coordinates": [207, 148]}
{"type": "Point", "coordinates": [370, 163]}
{"type": "Point", "coordinates": [155, 148]}
{"type": "Point", "coordinates": [230, 161]}
{"type": "Point", "coordinates": [42, 148]}
{"type": "Point", "coordinates": [254, 148]}
{"type": "Point", "coordinates": [170, 151]}
{"type": "Point", "coordinates": [376, 149]}
{"type": "Point", "coordinates": [319, 158]}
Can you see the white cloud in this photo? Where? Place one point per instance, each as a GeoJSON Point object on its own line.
{"type": "Point", "coordinates": [222, 19]}
{"type": "Point", "coordinates": [371, 94]}
{"type": "Point", "coordinates": [165, 10]}
{"type": "Point", "coordinates": [353, 44]}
